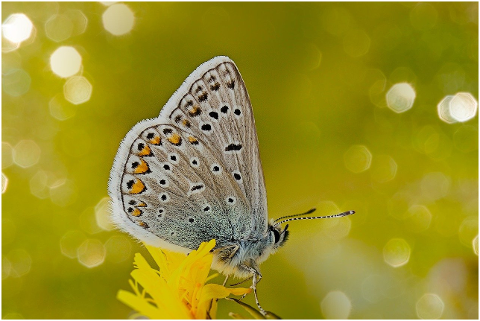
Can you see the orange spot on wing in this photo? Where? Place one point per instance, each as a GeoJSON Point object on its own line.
{"type": "Point", "coordinates": [142, 168]}
{"type": "Point", "coordinates": [137, 187]}
{"type": "Point", "coordinates": [155, 140]}
{"type": "Point", "coordinates": [136, 212]}
{"type": "Point", "coordinates": [195, 111]}
{"type": "Point", "coordinates": [175, 139]}
{"type": "Point", "coordinates": [142, 204]}
{"type": "Point", "coordinates": [142, 224]}
{"type": "Point", "coordinates": [192, 140]}
{"type": "Point", "coordinates": [146, 151]}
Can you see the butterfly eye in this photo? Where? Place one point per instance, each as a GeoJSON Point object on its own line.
{"type": "Point", "coordinates": [276, 234]}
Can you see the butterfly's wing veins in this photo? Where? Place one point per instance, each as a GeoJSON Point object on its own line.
{"type": "Point", "coordinates": [217, 108]}
{"type": "Point", "coordinates": [194, 172]}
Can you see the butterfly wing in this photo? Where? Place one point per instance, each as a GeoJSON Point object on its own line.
{"type": "Point", "coordinates": [193, 173]}
{"type": "Point", "coordinates": [217, 108]}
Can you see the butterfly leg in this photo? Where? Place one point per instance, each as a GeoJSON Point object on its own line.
{"type": "Point", "coordinates": [257, 276]}
{"type": "Point", "coordinates": [224, 282]}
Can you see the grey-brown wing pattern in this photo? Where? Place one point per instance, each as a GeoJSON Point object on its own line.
{"type": "Point", "coordinates": [194, 173]}
{"type": "Point", "coordinates": [217, 109]}
{"type": "Point", "coordinates": [174, 187]}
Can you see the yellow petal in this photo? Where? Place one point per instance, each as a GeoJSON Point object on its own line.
{"type": "Point", "coordinates": [206, 309]}
{"type": "Point", "coordinates": [177, 289]}
{"type": "Point", "coordinates": [208, 296]}
{"type": "Point", "coordinates": [174, 259]}
{"type": "Point", "coordinates": [206, 247]}
{"type": "Point", "coordinates": [140, 305]}
{"type": "Point", "coordinates": [217, 291]}
{"type": "Point", "coordinates": [139, 261]}
{"type": "Point", "coordinates": [164, 296]}
{"type": "Point", "coordinates": [160, 258]}
{"type": "Point", "coordinates": [166, 260]}
{"type": "Point", "coordinates": [195, 267]}
{"type": "Point", "coordinates": [213, 310]}
{"type": "Point", "coordinates": [151, 283]}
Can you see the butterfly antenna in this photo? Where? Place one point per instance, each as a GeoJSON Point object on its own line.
{"type": "Point", "coordinates": [292, 218]}
{"type": "Point", "coordinates": [310, 211]}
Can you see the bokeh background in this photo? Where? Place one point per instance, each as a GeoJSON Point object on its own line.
{"type": "Point", "coordinates": [363, 106]}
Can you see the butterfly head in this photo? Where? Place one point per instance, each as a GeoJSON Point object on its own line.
{"type": "Point", "coordinates": [277, 235]}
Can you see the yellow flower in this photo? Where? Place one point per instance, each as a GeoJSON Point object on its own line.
{"type": "Point", "coordinates": [176, 290]}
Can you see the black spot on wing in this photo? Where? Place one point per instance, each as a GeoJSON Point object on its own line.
{"type": "Point", "coordinates": [234, 147]}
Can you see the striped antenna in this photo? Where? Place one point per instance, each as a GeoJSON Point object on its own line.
{"type": "Point", "coordinates": [310, 211]}
{"type": "Point", "coordinates": [294, 218]}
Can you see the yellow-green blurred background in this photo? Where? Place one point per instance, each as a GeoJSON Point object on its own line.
{"type": "Point", "coordinates": [321, 77]}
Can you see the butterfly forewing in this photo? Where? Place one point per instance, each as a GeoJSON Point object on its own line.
{"type": "Point", "coordinates": [217, 109]}
{"type": "Point", "coordinates": [193, 173]}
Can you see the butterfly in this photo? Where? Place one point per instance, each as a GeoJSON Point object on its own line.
{"type": "Point", "coordinates": [194, 174]}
